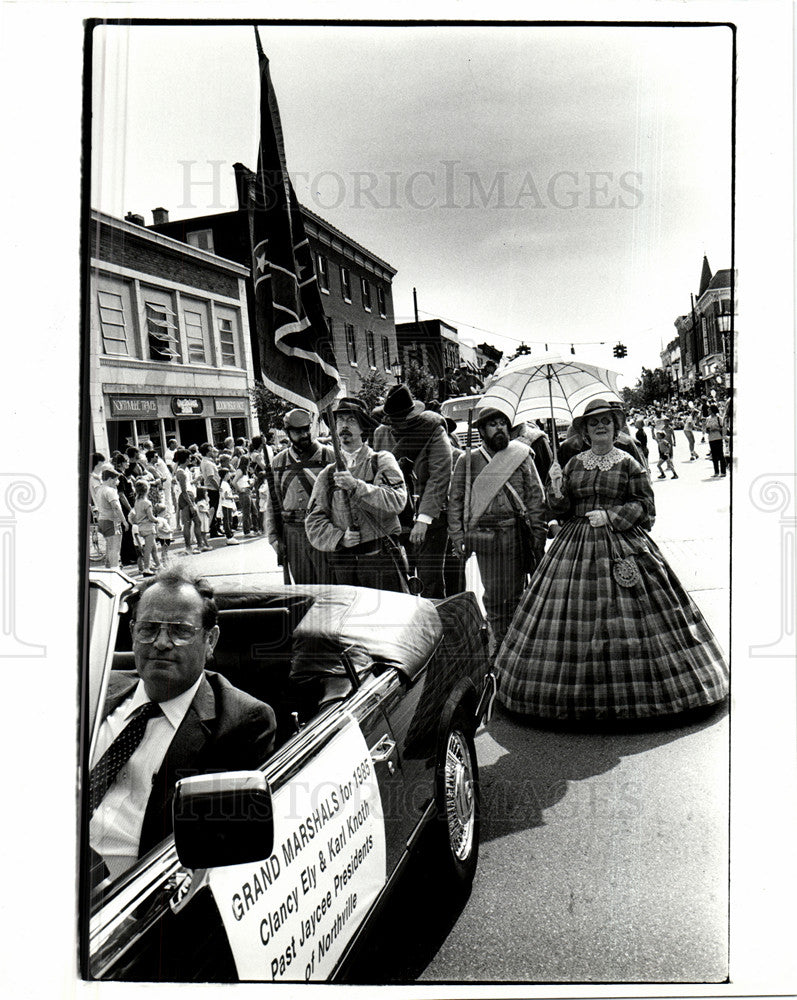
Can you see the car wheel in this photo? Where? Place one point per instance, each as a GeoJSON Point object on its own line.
{"type": "Point", "coordinates": [457, 796]}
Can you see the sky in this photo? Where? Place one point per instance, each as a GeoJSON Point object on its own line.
{"type": "Point", "coordinates": [553, 185]}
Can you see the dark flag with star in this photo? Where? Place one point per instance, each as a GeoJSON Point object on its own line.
{"type": "Point", "coordinates": [294, 344]}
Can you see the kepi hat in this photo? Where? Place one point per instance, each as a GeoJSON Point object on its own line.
{"type": "Point", "coordinates": [296, 420]}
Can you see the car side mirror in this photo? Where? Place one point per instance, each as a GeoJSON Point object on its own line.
{"type": "Point", "coordinates": [223, 819]}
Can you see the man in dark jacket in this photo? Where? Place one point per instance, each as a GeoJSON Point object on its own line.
{"type": "Point", "coordinates": [422, 449]}
{"type": "Point", "coordinates": [168, 720]}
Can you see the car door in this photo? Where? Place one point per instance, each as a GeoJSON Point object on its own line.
{"type": "Point", "coordinates": [336, 789]}
{"type": "Point", "coordinates": [290, 916]}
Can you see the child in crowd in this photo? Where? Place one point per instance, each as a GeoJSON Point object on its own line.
{"type": "Point", "coordinates": [163, 533]}
{"type": "Point", "coordinates": [665, 455]}
{"type": "Point", "coordinates": [145, 521]}
{"type": "Point", "coordinates": [227, 505]}
{"type": "Point", "coordinates": [262, 500]}
{"type": "Point", "coordinates": [203, 509]}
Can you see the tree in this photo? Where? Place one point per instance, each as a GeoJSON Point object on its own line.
{"type": "Point", "coordinates": [632, 397]}
{"type": "Point", "coordinates": [653, 386]}
{"type": "Point", "coordinates": [421, 384]}
{"type": "Point", "coordinates": [373, 388]}
{"type": "Point", "coordinates": [269, 407]}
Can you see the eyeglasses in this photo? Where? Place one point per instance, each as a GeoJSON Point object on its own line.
{"type": "Point", "coordinates": [594, 421]}
{"type": "Point", "coordinates": [179, 633]}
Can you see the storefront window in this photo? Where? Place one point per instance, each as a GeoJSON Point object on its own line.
{"type": "Point", "coordinates": [120, 435]}
{"type": "Point", "coordinates": [219, 429]}
{"type": "Point", "coordinates": [191, 430]}
{"type": "Point", "coordinates": [149, 430]}
{"type": "Point", "coordinates": [239, 427]}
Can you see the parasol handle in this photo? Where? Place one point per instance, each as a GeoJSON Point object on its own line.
{"type": "Point", "coordinates": [549, 376]}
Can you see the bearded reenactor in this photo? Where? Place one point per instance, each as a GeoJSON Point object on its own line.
{"type": "Point", "coordinates": [296, 470]}
{"type": "Point", "coordinates": [500, 516]}
{"type": "Point", "coordinates": [422, 449]}
{"type": "Point", "coordinates": [353, 512]}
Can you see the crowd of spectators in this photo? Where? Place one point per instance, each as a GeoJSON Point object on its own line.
{"type": "Point", "coordinates": [142, 501]}
{"type": "Point", "coordinates": [702, 422]}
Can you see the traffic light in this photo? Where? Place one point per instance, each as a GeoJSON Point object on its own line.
{"type": "Point", "coordinates": [620, 350]}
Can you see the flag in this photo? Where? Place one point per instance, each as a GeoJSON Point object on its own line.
{"type": "Point", "coordinates": [297, 361]}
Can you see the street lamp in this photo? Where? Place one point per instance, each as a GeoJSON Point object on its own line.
{"type": "Point", "coordinates": [724, 327]}
{"type": "Point", "coordinates": [396, 369]}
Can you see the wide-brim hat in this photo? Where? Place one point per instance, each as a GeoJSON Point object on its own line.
{"type": "Point", "coordinates": [594, 408]}
{"type": "Point", "coordinates": [356, 407]}
{"type": "Point", "coordinates": [488, 413]}
{"type": "Point", "coordinates": [399, 405]}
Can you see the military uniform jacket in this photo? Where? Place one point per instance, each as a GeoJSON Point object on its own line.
{"type": "Point", "coordinates": [526, 484]}
{"type": "Point", "coordinates": [425, 441]}
{"type": "Point", "coordinates": [290, 469]}
{"type": "Point", "coordinates": [375, 504]}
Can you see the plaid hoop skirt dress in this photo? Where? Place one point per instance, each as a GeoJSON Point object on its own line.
{"type": "Point", "coordinates": [583, 647]}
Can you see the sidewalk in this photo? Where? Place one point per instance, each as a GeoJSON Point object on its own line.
{"type": "Point", "coordinates": [693, 531]}
{"type": "Point", "coordinates": [253, 554]}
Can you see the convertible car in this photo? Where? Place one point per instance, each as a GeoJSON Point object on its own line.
{"type": "Point", "coordinates": [277, 874]}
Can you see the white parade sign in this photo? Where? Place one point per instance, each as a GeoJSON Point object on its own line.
{"type": "Point", "coordinates": [290, 916]}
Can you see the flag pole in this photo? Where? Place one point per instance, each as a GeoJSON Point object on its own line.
{"type": "Point", "coordinates": [276, 506]}
{"type": "Point", "coordinates": [340, 462]}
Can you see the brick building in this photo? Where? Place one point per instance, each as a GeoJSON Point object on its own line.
{"type": "Point", "coordinates": [168, 354]}
{"type": "Point", "coordinates": [704, 334]}
{"type": "Point", "coordinates": [671, 364]}
{"type": "Point", "coordinates": [355, 284]}
{"type": "Point", "coordinates": [435, 347]}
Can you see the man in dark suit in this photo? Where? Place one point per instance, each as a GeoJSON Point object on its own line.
{"type": "Point", "coordinates": [420, 445]}
{"type": "Point", "coordinates": [169, 719]}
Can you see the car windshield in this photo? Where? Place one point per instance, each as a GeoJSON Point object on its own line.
{"type": "Point", "coordinates": [102, 632]}
{"type": "Point", "coordinates": [457, 409]}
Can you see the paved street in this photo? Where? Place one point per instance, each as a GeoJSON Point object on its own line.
{"type": "Point", "coordinates": [603, 858]}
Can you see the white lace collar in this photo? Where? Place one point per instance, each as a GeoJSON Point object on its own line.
{"type": "Point", "coordinates": [590, 460]}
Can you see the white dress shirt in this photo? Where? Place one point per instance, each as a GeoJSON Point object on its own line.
{"type": "Point", "coordinates": [115, 827]}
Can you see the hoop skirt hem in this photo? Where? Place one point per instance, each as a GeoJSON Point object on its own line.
{"type": "Point", "coordinates": [582, 647]}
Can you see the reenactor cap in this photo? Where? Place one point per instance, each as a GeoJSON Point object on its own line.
{"type": "Point", "coordinates": [296, 420]}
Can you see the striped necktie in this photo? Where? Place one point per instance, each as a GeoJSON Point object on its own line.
{"type": "Point", "coordinates": [104, 772]}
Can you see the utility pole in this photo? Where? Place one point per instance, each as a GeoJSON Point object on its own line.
{"type": "Point", "coordinates": [415, 303]}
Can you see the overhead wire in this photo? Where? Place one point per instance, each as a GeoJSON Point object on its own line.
{"type": "Point", "coordinates": [515, 340]}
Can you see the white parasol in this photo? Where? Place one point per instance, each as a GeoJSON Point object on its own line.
{"type": "Point", "coordinates": [537, 387]}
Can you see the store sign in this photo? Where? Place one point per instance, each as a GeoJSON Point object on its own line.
{"type": "Point", "coordinates": [186, 406]}
{"type": "Point", "coordinates": [231, 406]}
{"type": "Point", "coordinates": [134, 406]}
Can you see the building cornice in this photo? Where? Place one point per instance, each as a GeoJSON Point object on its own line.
{"type": "Point", "coordinates": [325, 232]}
{"type": "Point", "coordinates": [167, 243]}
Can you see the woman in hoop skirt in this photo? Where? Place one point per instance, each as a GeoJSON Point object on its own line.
{"type": "Point", "coordinates": [605, 632]}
